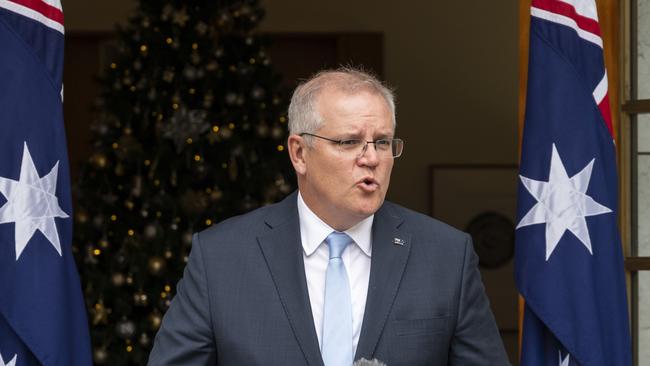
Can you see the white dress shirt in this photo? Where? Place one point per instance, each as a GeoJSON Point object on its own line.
{"type": "Point", "coordinates": [356, 259]}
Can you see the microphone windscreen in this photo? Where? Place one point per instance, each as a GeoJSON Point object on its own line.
{"type": "Point", "coordinates": [364, 362]}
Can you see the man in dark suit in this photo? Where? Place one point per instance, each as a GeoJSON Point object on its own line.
{"type": "Point", "coordinates": [333, 273]}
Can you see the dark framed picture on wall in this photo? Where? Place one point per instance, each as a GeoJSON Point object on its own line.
{"type": "Point", "coordinates": [480, 200]}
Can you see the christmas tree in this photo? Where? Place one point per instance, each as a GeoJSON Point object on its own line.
{"type": "Point", "coordinates": [190, 130]}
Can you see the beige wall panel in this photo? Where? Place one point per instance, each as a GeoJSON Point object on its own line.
{"type": "Point", "coordinates": [454, 65]}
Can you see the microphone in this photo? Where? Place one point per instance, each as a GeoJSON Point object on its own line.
{"type": "Point", "coordinates": [364, 362]}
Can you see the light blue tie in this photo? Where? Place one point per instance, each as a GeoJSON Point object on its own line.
{"type": "Point", "coordinates": [337, 313]}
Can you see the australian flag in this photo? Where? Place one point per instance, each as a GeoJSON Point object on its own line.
{"type": "Point", "coordinates": [42, 312]}
{"type": "Point", "coordinates": [569, 265]}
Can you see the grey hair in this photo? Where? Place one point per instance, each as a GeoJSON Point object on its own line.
{"type": "Point", "coordinates": [303, 114]}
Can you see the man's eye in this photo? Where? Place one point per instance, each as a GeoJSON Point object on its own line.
{"type": "Point", "coordinates": [350, 143]}
{"type": "Point", "coordinates": [383, 143]}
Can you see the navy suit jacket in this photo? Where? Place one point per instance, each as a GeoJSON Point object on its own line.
{"type": "Point", "coordinates": [243, 299]}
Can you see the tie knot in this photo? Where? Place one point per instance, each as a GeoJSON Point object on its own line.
{"type": "Point", "coordinates": [337, 242]}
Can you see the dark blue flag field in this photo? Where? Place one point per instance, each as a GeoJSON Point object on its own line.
{"type": "Point", "coordinates": [42, 312]}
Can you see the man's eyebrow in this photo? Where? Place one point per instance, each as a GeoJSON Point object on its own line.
{"type": "Point", "coordinates": [358, 135]}
{"type": "Point", "coordinates": [384, 135]}
{"type": "Point", "coordinates": [350, 135]}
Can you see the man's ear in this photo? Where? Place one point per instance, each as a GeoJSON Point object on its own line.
{"type": "Point", "coordinates": [296, 146]}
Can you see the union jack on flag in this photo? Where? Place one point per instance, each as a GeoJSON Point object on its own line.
{"type": "Point", "coordinates": [42, 311]}
{"type": "Point", "coordinates": [569, 265]}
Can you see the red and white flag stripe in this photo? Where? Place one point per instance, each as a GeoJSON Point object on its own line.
{"type": "Point", "coordinates": [582, 17]}
{"type": "Point", "coordinates": [46, 12]}
{"type": "Point", "coordinates": [572, 13]}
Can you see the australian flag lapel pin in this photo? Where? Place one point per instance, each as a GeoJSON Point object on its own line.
{"type": "Point", "coordinates": [398, 241]}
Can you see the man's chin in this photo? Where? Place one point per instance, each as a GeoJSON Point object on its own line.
{"type": "Point", "coordinates": [369, 208]}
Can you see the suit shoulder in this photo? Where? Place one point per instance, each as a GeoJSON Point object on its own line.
{"type": "Point", "coordinates": [424, 225]}
{"type": "Point", "coordinates": [240, 227]}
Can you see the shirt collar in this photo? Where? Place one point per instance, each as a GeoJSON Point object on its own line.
{"type": "Point", "coordinates": [314, 231]}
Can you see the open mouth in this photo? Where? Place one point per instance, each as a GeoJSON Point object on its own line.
{"type": "Point", "coordinates": [368, 184]}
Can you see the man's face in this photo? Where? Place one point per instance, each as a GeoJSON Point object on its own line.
{"type": "Point", "coordinates": [339, 187]}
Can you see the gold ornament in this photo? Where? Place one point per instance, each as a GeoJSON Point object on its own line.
{"type": "Point", "coordinates": [201, 28]}
{"type": "Point", "coordinates": [154, 320]}
{"type": "Point", "coordinates": [98, 221]}
{"type": "Point", "coordinates": [137, 185]}
{"type": "Point", "coordinates": [144, 340]}
{"type": "Point", "coordinates": [277, 132]}
{"type": "Point", "coordinates": [216, 194]}
{"type": "Point", "coordinates": [225, 133]}
{"type": "Point", "coordinates": [180, 17]}
{"type": "Point", "coordinates": [118, 279]}
{"type": "Point", "coordinates": [168, 76]}
{"type": "Point", "coordinates": [156, 265]}
{"type": "Point", "coordinates": [263, 130]}
{"type": "Point", "coordinates": [119, 170]}
{"type": "Point", "coordinates": [82, 217]}
{"type": "Point", "coordinates": [99, 160]}
{"type": "Point", "coordinates": [99, 313]}
{"type": "Point", "coordinates": [140, 298]}
{"type": "Point", "coordinates": [150, 231]}
{"type": "Point", "coordinates": [187, 238]}
{"type": "Point", "coordinates": [125, 329]}
{"type": "Point", "coordinates": [100, 356]}
{"type": "Point", "coordinates": [167, 12]}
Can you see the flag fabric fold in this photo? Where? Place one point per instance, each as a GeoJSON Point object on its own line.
{"type": "Point", "coordinates": [569, 264]}
{"type": "Point", "coordinates": [42, 312]}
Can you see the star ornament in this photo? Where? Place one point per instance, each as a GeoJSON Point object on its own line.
{"type": "Point", "coordinates": [562, 204]}
{"type": "Point", "coordinates": [31, 204]}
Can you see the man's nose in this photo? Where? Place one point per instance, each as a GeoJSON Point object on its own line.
{"type": "Point", "coordinates": [369, 155]}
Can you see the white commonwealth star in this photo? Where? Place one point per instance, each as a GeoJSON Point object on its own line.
{"type": "Point", "coordinates": [564, 362]}
{"type": "Point", "coordinates": [11, 363]}
{"type": "Point", "coordinates": [31, 204]}
{"type": "Point", "coordinates": [562, 204]}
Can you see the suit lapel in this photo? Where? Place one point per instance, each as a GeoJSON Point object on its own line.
{"type": "Point", "coordinates": [390, 250]}
{"type": "Point", "coordinates": [282, 249]}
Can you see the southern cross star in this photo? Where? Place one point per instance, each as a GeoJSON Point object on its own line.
{"type": "Point", "coordinates": [562, 204]}
{"type": "Point", "coordinates": [31, 204]}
